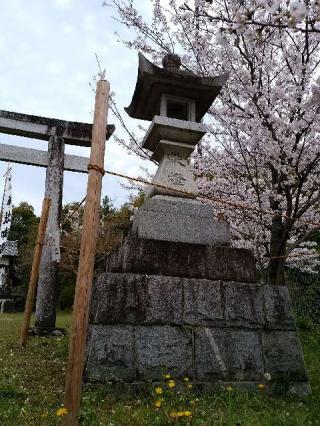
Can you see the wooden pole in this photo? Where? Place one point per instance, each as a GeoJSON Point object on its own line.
{"type": "Point", "coordinates": [87, 258]}
{"type": "Point", "coordinates": [35, 271]}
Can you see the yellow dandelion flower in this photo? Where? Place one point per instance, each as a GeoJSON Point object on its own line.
{"type": "Point", "coordinates": [61, 412]}
{"type": "Point", "coordinates": [158, 390]}
{"type": "Point", "coordinates": [261, 386]}
{"type": "Point", "coordinates": [171, 383]}
{"type": "Point", "coordinates": [173, 415]}
{"type": "Point", "coordinates": [158, 403]}
{"type": "Point", "coordinates": [180, 413]}
{"type": "Point", "coordinates": [166, 376]}
{"type": "Point", "coordinates": [187, 413]}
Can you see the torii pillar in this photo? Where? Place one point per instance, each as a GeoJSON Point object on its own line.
{"type": "Point", "coordinates": [48, 285]}
{"type": "Point", "coordinates": [57, 133]}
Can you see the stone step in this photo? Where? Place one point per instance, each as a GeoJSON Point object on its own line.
{"type": "Point", "coordinates": [295, 388]}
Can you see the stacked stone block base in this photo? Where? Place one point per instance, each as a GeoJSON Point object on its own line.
{"type": "Point", "coordinates": [216, 332]}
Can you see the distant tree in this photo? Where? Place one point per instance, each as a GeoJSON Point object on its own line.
{"type": "Point", "coordinates": [24, 224]}
{"type": "Point", "coordinates": [23, 229]}
{"type": "Point", "coordinates": [138, 200]}
{"type": "Point", "coordinates": [113, 225]}
{"type": "Point", "coordinates": [114, 221]}
{"type": "Point", "coordinates": [107, 206]}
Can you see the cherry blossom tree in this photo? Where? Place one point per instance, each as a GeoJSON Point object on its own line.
{"type": "Point", "coordinates": [261, 157]}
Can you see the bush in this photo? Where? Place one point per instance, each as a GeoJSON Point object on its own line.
{"type": "Point", "coordinates": [304, 323]}
{"type": "Point", "coordinates": [66, 296]}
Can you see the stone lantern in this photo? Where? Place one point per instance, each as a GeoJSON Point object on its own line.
{"type": "Point", "coordinates": [176, 297]}
{"type": "Point", "coordinates": [175, 101]}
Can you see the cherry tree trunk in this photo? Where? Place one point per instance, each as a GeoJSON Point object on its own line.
{"type": "Point", "coordinates": [277, 252]}
{"type": "Point", "coordinates": [47, 294]}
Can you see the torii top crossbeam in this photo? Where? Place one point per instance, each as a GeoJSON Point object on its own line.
{"type": "Point", "coordinates": [32, 126]}
{"type": "Point", "coordinates": [58, 133]}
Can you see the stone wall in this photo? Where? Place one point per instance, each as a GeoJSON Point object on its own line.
{"type": "Point", "coordinates": [215, 332]}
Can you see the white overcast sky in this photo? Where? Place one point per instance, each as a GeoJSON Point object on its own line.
{"type": "Point", "coordinates": [47, 52]}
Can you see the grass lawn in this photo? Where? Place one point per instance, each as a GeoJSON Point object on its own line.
{"type": "Point", "coordinates": [32, 383]}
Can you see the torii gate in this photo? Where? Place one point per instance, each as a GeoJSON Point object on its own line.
{"type": "Point", "coordinates": [57, 133]}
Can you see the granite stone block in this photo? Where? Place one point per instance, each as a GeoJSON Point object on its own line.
{"type": "Point", "coordinates": [164, 304]}
{"type": "Point", "coordinates": [118, 299]}
{"type": "Point", "coordinates": [243, 305]}
{"type": "Point", "coordinates": [184, 229]}
{"type": "Point", "coordinates": [110, 353]}
{"type": "Point", "coordinates": [299, 388]}
{"type": "Point", "coordinates": [225, 354]}
{"type": "Point", "coordinates": [283, 355]}
{"type": "Point", "coordinates": [162, 349]}
{"type": "Point", "coordinates": [190, 226]}
{"type": "Point", "coordinates": [231, 264]}
{"type": "Point", "coordinates": [137, 299]}
{"type": "Point", "coordinates": [155, 257]}
{"type": "Point", "coordinates": [178, 207]}
{"type": "Point", "coordinates": [202, 302]}
{"type": "Point", "coordinates": [278, 308]}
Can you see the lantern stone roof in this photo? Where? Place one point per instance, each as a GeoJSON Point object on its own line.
{"type": "Point", "coordinates": [153, 81]}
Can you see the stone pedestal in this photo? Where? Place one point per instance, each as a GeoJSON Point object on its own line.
{"type": "Point", "coordinates": [166, 218]}
{"type": "Point", "coordinates": [190, 309]}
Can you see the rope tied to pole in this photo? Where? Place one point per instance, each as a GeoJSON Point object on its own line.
{"type": "Point", "coordinates": [220, 216]}
{"type": "Point", "coordinates": [96, 168]}
{"type": "Point", "coordinates": [238, 206]}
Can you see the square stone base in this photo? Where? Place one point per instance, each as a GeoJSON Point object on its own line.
{"type": "Point", "coordinates": [165, 218]}
{"type": "Point", "coordinates": [143, 326]}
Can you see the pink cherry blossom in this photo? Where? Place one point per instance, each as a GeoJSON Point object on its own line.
{"type": "Point", "coordinates": [262, 149]}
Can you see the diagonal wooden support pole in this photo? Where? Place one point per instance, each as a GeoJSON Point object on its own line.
{"type": "Point", "coordinates": [35, 271]}
{"type": "Point", "coordinates": [87, 257]}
